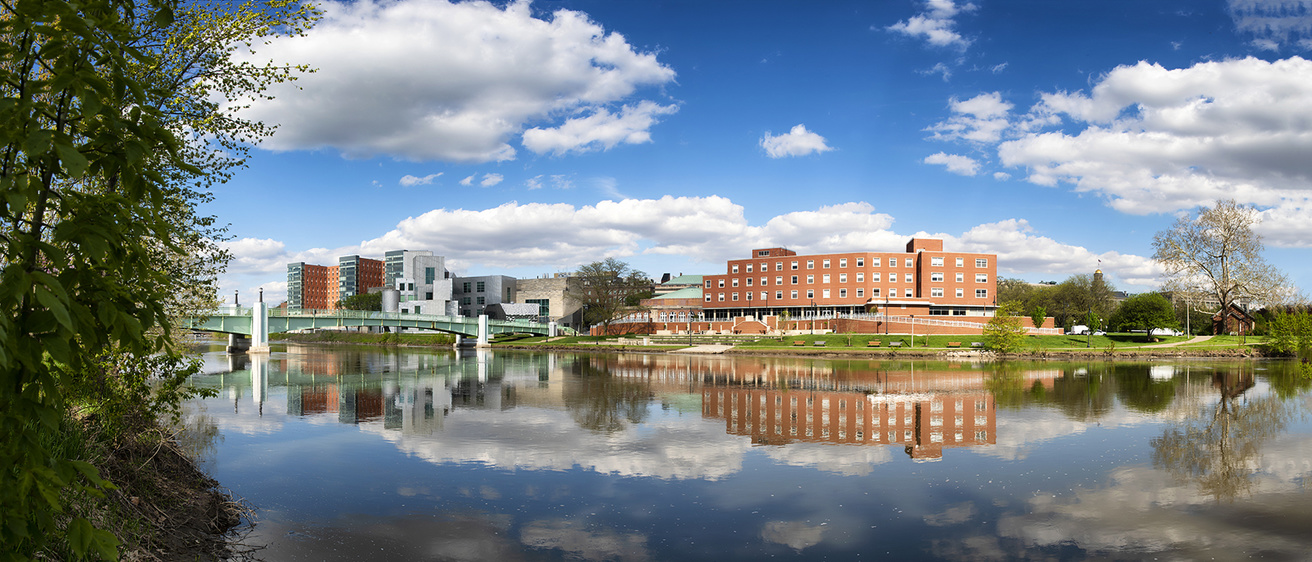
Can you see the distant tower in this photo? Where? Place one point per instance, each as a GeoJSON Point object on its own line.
{"type": "Point", "coordinates": [1097, 277]}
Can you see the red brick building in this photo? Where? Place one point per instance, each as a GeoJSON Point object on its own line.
{"type": "Point", "coordinates": [923, 281]}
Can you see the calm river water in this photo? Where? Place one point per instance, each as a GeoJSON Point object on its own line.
{"type": "Point", "coordinates": [365, 453]}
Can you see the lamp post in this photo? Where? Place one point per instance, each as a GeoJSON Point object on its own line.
{"type": "Point", "coordinates": [913, 331]}
{"type": "Point", "coordinates": [814, 311]}
{"type": "Point", "coordinates": [1088, 330]}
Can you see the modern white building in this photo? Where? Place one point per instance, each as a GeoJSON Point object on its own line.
{"type": "Point", "coordinates": [474, 294]}
{"type": "Point", "coordinates": [421, 278]}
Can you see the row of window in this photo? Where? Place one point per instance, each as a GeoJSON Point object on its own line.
{"type": "Point", "coordinates": [860, 262]}
{"type": "Point", "coordinates": [935, 292]}
{"type": "Point", "coordinates": [481, 286]}
{"type": "Point", "coordinates": [875, 277]}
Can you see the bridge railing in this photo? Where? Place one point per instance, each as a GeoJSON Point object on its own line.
{"type": "Point", "coordinates": [375, 315]}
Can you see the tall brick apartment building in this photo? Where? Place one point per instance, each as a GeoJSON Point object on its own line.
{"type": "Point", "coordinates": [923, 281]}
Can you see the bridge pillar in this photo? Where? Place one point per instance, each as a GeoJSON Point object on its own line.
{"type": "Point", "coordinates": [482, 331]}
{"type": "Point", "coordinates": [238, 343]}
{"type": "Point", "coordinates": [551, 329]}
{"type": "Point", "coordinates": [259, 342]}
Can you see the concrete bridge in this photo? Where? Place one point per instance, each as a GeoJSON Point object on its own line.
{"type": "Point", "coordinates": [248, 328]}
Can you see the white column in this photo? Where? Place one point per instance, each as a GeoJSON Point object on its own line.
{"type": "Point", "coordinates": [482, 331]}
{"type": "Point", "coordinates": [259, 328]}
{"type": "Point", "coordinates": [551, 329]}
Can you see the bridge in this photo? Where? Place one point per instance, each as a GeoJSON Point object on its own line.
{"type": "Point", "coordinates": [249, 327]}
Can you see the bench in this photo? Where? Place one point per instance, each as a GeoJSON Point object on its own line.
{"type": "Point", "coordinates": [954, 344]}
{"type": "Point", "coordinates": [895, 344]}
{"type": "Point", "coordinates": [873, 343]}
{"type": "Point", "coordinates": [819, 343]}
{"type": "Point", "coordinates": [976, 344]}
{"type": "Point", "coordinates": [799, 342]}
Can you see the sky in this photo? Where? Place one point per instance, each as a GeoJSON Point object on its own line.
{"type": "Point", "coordinates": [526, 139]}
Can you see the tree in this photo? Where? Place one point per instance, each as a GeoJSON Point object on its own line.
{"type": "Point", "coordinates": [1143, 312]}
{"type": "Point", "coordinates": [606, 288]}
{"type": "Point", "coordinates": [100, 176]}
{"type": "Point", "coordinates": [1213, 256]}
{"type": "Point", "coordinates": [1037, 315]}
{"type": "Point", "coordinates": [366, 301]}
{"type": "Point", "coordinates": [1005, 331]}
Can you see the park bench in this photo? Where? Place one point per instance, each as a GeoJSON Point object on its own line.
{"type": "Point", "coordinates": [873, 343]}
{"type": "Point", "coordinates": [976, 344]}
{"type": "Point", "coordinates": [954, 344]}
{"type": "Point", "coordinates": [895, 344]}
{"type": "Point", "coordinates": [799, 342]}
{"type": "Point", "coordinates": [819, 343]}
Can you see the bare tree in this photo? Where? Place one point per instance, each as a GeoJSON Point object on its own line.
{"type": "Point", "coordinates": [608, 287]}
{"type": "Point", "coordinates": [1213, 256]}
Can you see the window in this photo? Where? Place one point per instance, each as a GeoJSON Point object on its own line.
{"type": "Point", "coordinates": [824, 294]}
{"type": "Point", "coordinates": [860, 293]}
{"type": "Point", "coordinates": [961, 293]}
{"type": "Point", "coordinates": [429, 274]}
{"type": "Point", "coordinates": [735, 296]}
{"type": "Point", "coordinates": [825, 264]}
{"type": "Point", "coordinates": [464, 288]}
{"type": "Point", "coordinates": [981, 293]}
{"type": "Point", "coordinates": [860, 262]}
{"type": "Point", "coordinates": [708, 297]}
{"type": "Point", "coordinates": [981, 278]}
{"type": "Point", "coordinates": [764, 267]}
{"type": "Point", "coordinates": [779, 295]}
{"type": "Point", "coordinates": [482, 300]}
{"type": "Point", "coordinates": [961, 262]}
{"type": "Point", "coordinates": [708, 283]}
{"type": "Point", "coordinates": [810, 293]}
{"type": "Point", "coordinates": [794, 279]}
{"type": "Point", "coordinates": [763, 252]}
{"type": "Point", "coordinates": [842, 293]}
{"type": "Point", "coordinates": [735, 281]}
{"type": "Point", "coordinates": [721, 297]}
{"type": "Point", "coordinates": [873, 292]}
{"type": "Point", "coordinates": [936, 276]}
{"type": "Point", "coordinates": [810, 264]}
{"type": "Point", "coordinates": [908, 277]}
{"type": "Point", "coordinates": [721, 283]}
{"type": "Point", "coordinates": [765, 281]}
{"type": "Point", "coordinates": [874, 262]}
{"type": "Point", "coordinates": [479, 287]}
{"type": "Point", "coordinates": [824, 278]}
{"type": "Point", "coordinates": [794, 266]}
{"type": "Point", "coordinates": [810, 279]}
{"type": "Point", "coordinates": [779, 280]}
{"type": "Point", "coordinates": [749, 268]}
{"type": "Point", "coordinates": [909, 263]}
{"type": "Point", "coordinates": [908, 292]}
{"type": "Point", "coordinates": [936, 262]}
{"type": "Point", "coordinates": [749, 281]}
{"type": "Point", "coordinates": [842, 262]}
{"type": "Point", "coordinates": [794, 296]}
{"type": "Point", "coordinates": [467, 300]}
{"type": "Point", "coordinates": [936, 292]}
{"type": "Point", "coordinates": [874, 277]}
{"type": "Point", "coordinates": [981, 262]}
{"type": "Point", "coordinates": [961, 277]}
{"type": "Point", "coordinates": [749, 296]}
{"type": "Point", "coordinates": [861, 278]}
{"type": "Point", "coordinates": [842, 277]}
{"type": "Point", "coordinates": [778, 266]}
{"type": "Point", "coordinates": [892, 262]}
{"type": "Point", "coordinates": [733, 269]}
{"type": "Point", "coordinates": [765, 295]}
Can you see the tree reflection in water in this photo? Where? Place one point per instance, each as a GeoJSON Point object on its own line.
{"type": "Point", "coordinates": [1219, 447]}
{"type": "Point", "coordinates": [603, 403]}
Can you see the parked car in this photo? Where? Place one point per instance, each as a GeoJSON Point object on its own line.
{"type": "Point", "coordinates": [1078, 330]}
{"type": "Point", "coordinates": [1164, 332]}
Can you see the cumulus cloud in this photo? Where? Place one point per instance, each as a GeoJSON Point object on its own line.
{"type": "Point", "coordinates": [410, 181]}
{"type": "Point", "coordinates": [600, 130]}
{"type": "Point", "coordinates": [1154, 140]}
{"type": "Point", "coordinates": [1021, 251]}
{"type": "Point", "coordinates": [490, 180]}
{"type": "Point", "coordinates": [1274, 24]}
{"type": "Point", "coordinates": [796, 142]}
{"type": "Point", "coordinates": [955, 163]}
{"type": "Point", "coordinates": [936, 24]}
{"type": "Point", "coordinates": [457, 82]}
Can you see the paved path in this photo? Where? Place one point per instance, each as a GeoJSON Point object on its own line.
{"type": "Point", "coordinates": [1197, 339]}
{"type": "Point", "coordinates": [709, 349]}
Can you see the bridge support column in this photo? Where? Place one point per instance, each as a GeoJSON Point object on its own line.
{"type": "Point", "coordinates": [259, 328]}
{"type": "Point", "coordinates": [482, 331]}
{"type": "Point", "coordinates": [238, 343]}
{"type": "Point", "coordinates": [552, 329]}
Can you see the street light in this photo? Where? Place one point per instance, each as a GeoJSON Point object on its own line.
{"type": "Point", "coordinates": [814, 311]}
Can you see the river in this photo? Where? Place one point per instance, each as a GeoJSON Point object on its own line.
{"type": "Point", "coordinates": [358, 453]}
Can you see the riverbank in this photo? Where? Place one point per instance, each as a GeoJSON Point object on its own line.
{"type": "Point", "coordinates": [925, 353]}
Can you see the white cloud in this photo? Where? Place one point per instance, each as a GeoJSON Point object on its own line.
{"type": "Point", "coordinates": [797, 142]}
{"type": "Point", "coordinates": [1154, 140]}
{"type": "Point", "coordinates": [436, 80]}
{"type": "Point", "coordinates": [490, 180]}
{"type": "Point", "coordinates": [534, 182]}
{"type": "Point", "coordinates": [469, 180]}
{"type": "Point", "coordinates": [1001, 176]}
{"type": "Point", "coordinates": [703, 229]}
{"type": "Point", "coordinates": [1274, 23]}
{"type": "Point", "coordinates": [938, 68]}
{"type": "Point", "coordinates": [410, 181]}
{"type": "Point", "coordinates": [935, 24]}
{"type": "Point", "coordinates": [957, 164]}
{"type": "Point", "coordinates": [600, 130]}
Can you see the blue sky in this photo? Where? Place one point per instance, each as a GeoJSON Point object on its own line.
{"type": "Point", "coordinates": [526, 139]}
